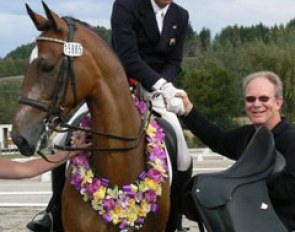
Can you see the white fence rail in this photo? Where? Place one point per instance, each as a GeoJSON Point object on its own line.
{"type": "Point", "coordinates": [205, 161]}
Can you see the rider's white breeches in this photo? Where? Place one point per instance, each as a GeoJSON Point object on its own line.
{"type": "Point", "coordinates": [158, 105]}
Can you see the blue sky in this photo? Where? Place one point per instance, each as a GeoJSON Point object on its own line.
{"type": "Point", "coordinates": [17, 29]}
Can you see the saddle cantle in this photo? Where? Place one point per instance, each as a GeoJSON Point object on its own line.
{"type": "Point", "coordinates": [236, 199]}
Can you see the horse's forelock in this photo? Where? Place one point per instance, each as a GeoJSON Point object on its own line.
{"type": "Point", "coordinates": [34, 54]}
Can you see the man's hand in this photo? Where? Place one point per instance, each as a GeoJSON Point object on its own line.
{"type": "Point", "coordinates": [187, 104]}
{"type": "Point", "coordinates": [173, 104]}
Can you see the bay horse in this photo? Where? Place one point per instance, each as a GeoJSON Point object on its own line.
{"type": "Point", "coordinates": [70, 64]}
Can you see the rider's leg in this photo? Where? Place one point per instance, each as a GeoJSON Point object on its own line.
{"type": "Point", "coordinates": [176, 214]}
{"type": "Point", "coordinates": [184, 166]}
{"type": "Point", "coordinates": [51, 217]}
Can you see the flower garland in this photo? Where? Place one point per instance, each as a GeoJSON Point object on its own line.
{"type": "Point", "coordinates": [129, 205]}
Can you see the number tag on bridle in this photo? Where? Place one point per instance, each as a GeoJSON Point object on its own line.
{"type": "Point", "coordinates": [73, 49]}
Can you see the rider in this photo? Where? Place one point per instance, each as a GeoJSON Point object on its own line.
{"type": "Point", "coordinates": [151, 50]}
{"type": "Point", "coordinates": [148, 37]}
{"type": "Point", "coordinates": [263, 92]}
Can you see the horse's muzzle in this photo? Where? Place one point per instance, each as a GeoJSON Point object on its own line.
{"type": "Point", "coordinates": [23, 145]}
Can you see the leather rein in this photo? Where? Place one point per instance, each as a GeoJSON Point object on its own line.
{"type": "Point", "coordinates": [55, 112]}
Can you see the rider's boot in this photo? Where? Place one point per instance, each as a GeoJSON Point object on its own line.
{"type": "Point", "coordinates": [176, 215]}
{"type": "Point", "coordinates": [50, 220]}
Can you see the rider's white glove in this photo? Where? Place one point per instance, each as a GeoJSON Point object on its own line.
{"type": "Point", "coordinates": [173, 104]}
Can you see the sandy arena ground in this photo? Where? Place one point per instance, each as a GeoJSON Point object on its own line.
{"type": "Point", "coordinates": [15, 219]}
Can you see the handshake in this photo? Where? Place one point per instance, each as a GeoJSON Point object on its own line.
{"type": "Point", "coordinates": [172, 97]}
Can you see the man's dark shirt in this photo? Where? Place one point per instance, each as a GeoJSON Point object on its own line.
{"type": "Point", "coordinates": [231, 143]}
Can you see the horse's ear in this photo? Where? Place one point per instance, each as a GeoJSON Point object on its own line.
{"type": "Point", "coordinates": [52, 17]}
{"type": "Point", "coordinates": [41, 23]}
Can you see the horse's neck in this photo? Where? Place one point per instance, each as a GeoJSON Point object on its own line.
{"type": "Point", "coordinates": [114, 112]}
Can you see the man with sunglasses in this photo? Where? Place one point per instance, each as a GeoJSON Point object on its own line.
{"type": "Point", "coordinates": [263, 92]}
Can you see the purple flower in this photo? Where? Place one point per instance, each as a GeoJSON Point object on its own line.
{"type": "Point", "coordinates": [142, 175]}
{"type": "Point", "coordinates": [157, 152]}
{"type": "Point", "coordinates": [140, 220]}
{"type": "Point", "coordinates": [76, 181]}
{"type": "Point", "coordinates": [150, 196]}
{"type": "Point", "coordinates": [122, 200]}
{"type": "Point", "coordinates": [107, 218]}
{"type": "Point", "coordinates": [81, 161]}
{"type": "Point", "coordinates": [123, 224]}
{"type": "Point", "coordinates": [92, 187]}
{"type": "Point", "coordinates": [154, 207]}
{"type": "Point", "coordinates": [141, 106]}
{"type": "Point", "coordinates": [154, 175]}
{"type": "Point", "coordinates": [108, 204]}
{"type": "Point", "coordinates": [86, 122]}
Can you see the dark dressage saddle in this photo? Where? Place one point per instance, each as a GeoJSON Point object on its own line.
{"type": "Point", "coordinates": [236, 199]}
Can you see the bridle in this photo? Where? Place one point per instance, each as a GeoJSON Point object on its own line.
{"type": "Point", "coordinates": [67, 67]}
{"type": "Point", "coordinates": [55, 112]}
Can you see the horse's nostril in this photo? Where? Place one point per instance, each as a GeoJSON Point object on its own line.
{"type": "Point", "coordinates": [22, 145]}
{"type": "Point", "coordinates": [18, 140]}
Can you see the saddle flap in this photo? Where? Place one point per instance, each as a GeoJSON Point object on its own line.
{"type": "Point", "coordinates": [256, 163]}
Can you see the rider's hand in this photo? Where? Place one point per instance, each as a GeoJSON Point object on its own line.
{"type": "Point", "coordinates": [173, 104]}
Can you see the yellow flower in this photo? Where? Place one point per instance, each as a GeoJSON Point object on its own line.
{"type": "Point", "coordinates": [96, 204]}
{"type": "Point", "coordinates": [134, 209]}
{"type": "Point", "coordinates": [117, 210]}
{"type": "Point", "coordinates": [159, 167]}
{"type": "Point", "coordinates": [150, 184]}
{"type": "Point", "coordinates": [115, 217]}
{"type": "Point", "coordinates": [88, 176]}
{"type": "Point", "coordinates": [131, 202]}
{"type": "Point", "coordinates": [159, 191]}
{"type": "Point", "coordinates": [150, 130]}
{"type": "Point", "coordinates": [132, 217]}
{"type": "Point", "coordinates": [100, 193]}
{"type": "Point", "coordinates": [145, 208]}
{"type": "Point", "coordinates": [134, 188]}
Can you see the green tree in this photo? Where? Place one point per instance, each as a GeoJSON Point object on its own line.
{"type": "Point", "coordinates": [211, 88]}
{"type": "Point", "coordinates": [9, 92]}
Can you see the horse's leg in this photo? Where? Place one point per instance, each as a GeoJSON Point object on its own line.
{"type": "Point", "coordinates": [78, 216]}
{"type": "Point", "coordinates": [74, 210]}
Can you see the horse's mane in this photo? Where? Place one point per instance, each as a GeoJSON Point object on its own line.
{"type": "Point", "coordinates": [87, 25]}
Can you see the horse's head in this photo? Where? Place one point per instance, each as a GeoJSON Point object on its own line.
{"type": "Point", "coordinates": [49, 89]}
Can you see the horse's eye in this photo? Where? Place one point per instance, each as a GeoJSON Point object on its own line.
{"type": "Point", "coordinates": [47, 68]}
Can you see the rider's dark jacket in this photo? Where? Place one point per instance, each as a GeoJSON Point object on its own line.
{"type": "Point", "coordinates": [231, 143]}
{"type": "Point", "coordinates": [145, 53]}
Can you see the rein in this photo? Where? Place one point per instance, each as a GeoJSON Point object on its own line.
{"type": "Point", "coordinates": [137, 138]}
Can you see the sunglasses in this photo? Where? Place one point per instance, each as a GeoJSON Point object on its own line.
{"type": "Point", "coordinates": [252, 99]}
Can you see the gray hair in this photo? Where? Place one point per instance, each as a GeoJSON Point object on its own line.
{"type": "Point", "coordinates": [271, 76]}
